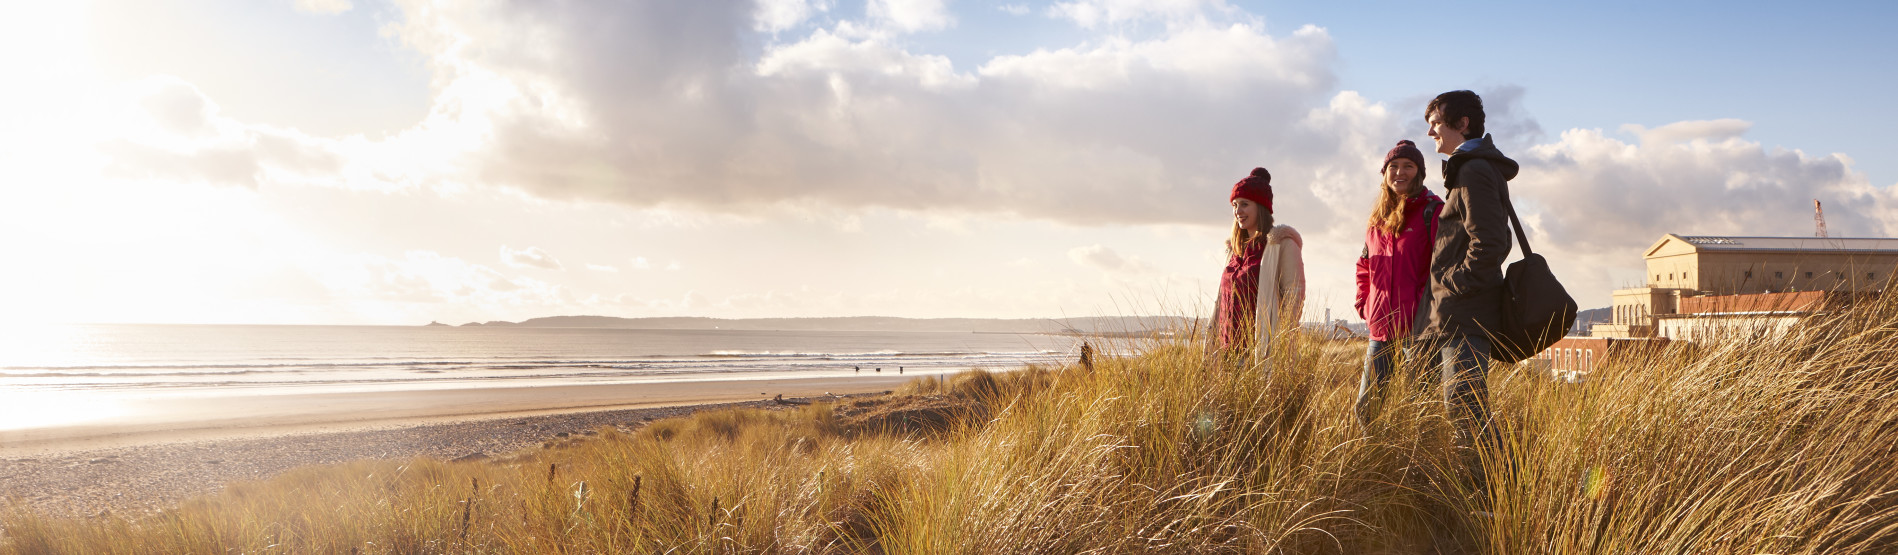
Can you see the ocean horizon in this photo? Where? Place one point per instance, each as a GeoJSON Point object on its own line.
{"type": "Point", "coordinates": [62, 368]}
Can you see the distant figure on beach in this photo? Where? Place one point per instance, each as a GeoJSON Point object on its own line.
{"type": "Point", "coordinates": [879, 369]}
{"type": "Point", "coordinates": [1466, 269]}
{"type": "Point", "coordinates": [1265, 264]}
{"type": "Point", "coordinates": [859, 368]}
{"type": "Point", "coordinates": [1087, 356]}
{"type": "Point", "coordinates": [1394, 267]}
{"type": "Point", "coordinates": [899, 369]}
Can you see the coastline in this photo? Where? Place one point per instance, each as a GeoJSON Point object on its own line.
{"type": "Point", "coordinates": [159, 420]}
{"type": "Point", "coordinates": [79, 471]}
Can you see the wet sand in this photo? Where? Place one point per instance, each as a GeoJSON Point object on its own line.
{"type": "Point", "coordinates": [165, 452]}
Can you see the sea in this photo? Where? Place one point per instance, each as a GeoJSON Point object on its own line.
{"type": "Point", "coordinates": [77, 362]}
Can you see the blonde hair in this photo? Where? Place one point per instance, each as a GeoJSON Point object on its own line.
{"type": "Point", "coordinates": [1387, 215]}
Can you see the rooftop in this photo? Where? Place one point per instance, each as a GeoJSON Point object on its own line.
{"type": "Point", "coordinates": [1726, 243]}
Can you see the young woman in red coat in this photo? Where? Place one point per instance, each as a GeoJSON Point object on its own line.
{"type": "Point", "coordinates": [1262, 290]}
{"type": "Point", "coordinates": [1394, 270]}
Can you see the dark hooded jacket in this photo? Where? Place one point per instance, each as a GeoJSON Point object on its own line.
{"type": "Point", "coordinates": [1473, 239]}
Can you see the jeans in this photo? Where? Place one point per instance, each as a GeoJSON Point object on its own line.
{"type": "Point", "coordinates": [1378, 360]}
{"type": "Point", "coordinates": [1464, 369]}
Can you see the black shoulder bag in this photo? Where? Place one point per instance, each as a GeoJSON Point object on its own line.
{"type": "Point", "coordinates": [1537, 310]}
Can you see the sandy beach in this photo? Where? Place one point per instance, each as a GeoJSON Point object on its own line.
{"type": "Point", "coordinates": [163, 452]}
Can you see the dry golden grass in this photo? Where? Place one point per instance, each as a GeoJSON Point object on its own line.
{"type": "Point", "coordinates": [1767, 444]}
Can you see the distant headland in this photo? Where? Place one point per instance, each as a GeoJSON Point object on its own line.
{"type": "Point", "coordinates": [1089, 325]}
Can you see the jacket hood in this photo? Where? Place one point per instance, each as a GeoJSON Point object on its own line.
{"type": "Point", "coordinates": [1282, 233]}
{"type": "Point", "coordinates": [1485, 150]}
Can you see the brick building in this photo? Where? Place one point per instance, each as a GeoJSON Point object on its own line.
{"type": "Point", "coordinates": [1701, 287]}
{"type": "Point", "coordinates": [1698, 286]}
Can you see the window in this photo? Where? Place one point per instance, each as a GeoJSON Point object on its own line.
{"type": "Point", "coordinates": [1657, 277]}
{"type": "Point", "coordinates": [1749, 274]}
{"type": "Point", "coordinates": [1779, 275]}
{"type": "Point", "coordinates": [1871, 275]}
{"type": "Point", "coordinates": [1808, 275]}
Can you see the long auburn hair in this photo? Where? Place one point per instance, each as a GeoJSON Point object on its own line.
{"type": "Point", "coordinates": [1241, 238]}
{"type": "Point", "coordinates": [1387, 215]}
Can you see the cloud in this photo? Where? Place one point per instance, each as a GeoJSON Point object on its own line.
{"type": "Point", "coordinates": [826, 53]}
{"type": "Point", "coordinates": [178, 107]}
{"type": "Point", "coordinates": [172, 132]}
{"type": "Point", "coordinates": [1013, 9]}
{"type": "Point", "coordinates": [1094, 13]}
{"type": "Point", "coordinates": [774, 16]}
{"type": "Point", "coordinates": [912, 15]}
{"type": "Point", "coordinates": [426, 285]}
{"type": "Point", "coordinates": [531, 257]}
{"type": "Point", "coordinates": [1686, 131]}
{"type": "Point", "coordinates": [666, 104]}
{"type": "Point", "coordinates": [603, 268]}
{"type": "Point", "coordinates": [1729, 186]}
{"type": "Point", "coordinates": [1594, 202]}
{"type": "Point", "coordinates": [1105, 259]}
{"type": "Point", "coordinates": [324, 7]}
{"type": "Point", "coordinates": [683, 107]}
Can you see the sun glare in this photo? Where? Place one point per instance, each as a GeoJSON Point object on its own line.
{"type": "Point", "coordinates": [21, 410]}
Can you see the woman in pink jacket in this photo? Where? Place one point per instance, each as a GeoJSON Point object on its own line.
{"type": "Point", "coordinates": [1394, 270]}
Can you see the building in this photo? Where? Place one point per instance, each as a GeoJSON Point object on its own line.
{"type": "Point", "coordinates": [1754, 273]}
{"type": "Point", "coordinates": [1574, 357]}
{"type": "Point", "coordinates": [1741, 265]}
{"type": "Point", "coordinates": [1710, 316]}
{"type": "Point", "coordinates": [1701, 287]}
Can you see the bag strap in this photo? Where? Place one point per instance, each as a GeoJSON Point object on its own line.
{"type": "Point", "coordinates": [1516, 223]}
{"type": "Point", "coordinates": [1421, 318]}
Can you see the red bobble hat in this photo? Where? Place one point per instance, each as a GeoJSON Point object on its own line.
{"type": "Point", "coordinates": [1405, 149]}
{"type": "Point", "coordinates": [1256, 188]}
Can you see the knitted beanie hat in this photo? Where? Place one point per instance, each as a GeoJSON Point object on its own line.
{"type": "Point", "coordinates": [1405, 149]}
{"type": "Point", "coordinates": [1256, 187]}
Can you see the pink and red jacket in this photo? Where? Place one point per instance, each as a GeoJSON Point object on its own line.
{"type": "Point", "coordinates": [1394, 270]}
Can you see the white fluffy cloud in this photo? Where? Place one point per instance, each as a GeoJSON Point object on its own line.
{"type": "Point", "coordinates": [1094, 13]}
{"type": "Point", "coordinates": [659, 104]}
{"type": "Point", "coordinates": [170, 131]}
{"type": "Point", "coordinates": [912, 15]}
{"type": "Point", "coordinates": [530, 257]}
{"type": "Point", "coordinates": [1596, 201]}
{"type": "Point", "coordinates": [778, 15]}
{"type": "Point", "coordinates": [742, 109]}
{"type": "Point", "coordinates": [1105, 259]}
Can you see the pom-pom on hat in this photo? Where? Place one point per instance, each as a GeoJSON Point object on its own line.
{"type": "Point", "coordinates": [1405, 149]}
{"type": "Point", "coordinates": [1256, 188]}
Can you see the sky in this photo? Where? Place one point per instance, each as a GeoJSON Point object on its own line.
{"type": "Point", "coordinates": [407, 161]}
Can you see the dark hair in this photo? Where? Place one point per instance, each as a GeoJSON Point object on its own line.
{"type": "Point", "coordinates": [1459, 104]}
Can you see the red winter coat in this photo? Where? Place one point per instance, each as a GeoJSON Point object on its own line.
{"type": "Point", "coordinates": [1237, 314]}
{"type": "Point", "coordinates": [1394, 271]}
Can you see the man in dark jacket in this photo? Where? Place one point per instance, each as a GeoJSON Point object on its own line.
{"type": "Point", "coordinates": [1466, 265]}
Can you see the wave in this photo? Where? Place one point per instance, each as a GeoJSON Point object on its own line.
{"type": "Point", "coordinates": [873, 354]}
{"type": "Point", "coordinates": [403, 372]}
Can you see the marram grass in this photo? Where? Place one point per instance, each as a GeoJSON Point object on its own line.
{"type": "Point", "coordinates": [1758, 444]}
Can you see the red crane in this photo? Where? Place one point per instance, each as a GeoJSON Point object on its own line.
{"type": "Point", "coordinates": [1818, 219]}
